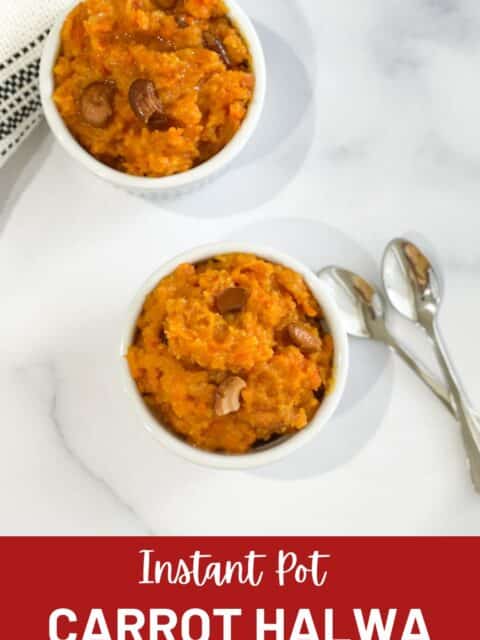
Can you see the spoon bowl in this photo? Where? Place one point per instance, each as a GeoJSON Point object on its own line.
{"type": "Point", "coordinates": [412, 284]}
{"type": "Point", "coordinates": [362, 305]}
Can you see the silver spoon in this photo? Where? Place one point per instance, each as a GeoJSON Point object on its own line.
{"type": "Point", "coordinates": [414, 290]}
{"type": "Point", "coordinates": [364, 311]}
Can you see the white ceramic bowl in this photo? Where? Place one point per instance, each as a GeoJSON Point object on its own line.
{"type": "Point", "coordinates": [270, 452]}
{"type": "Point", "coordinates": [170, 185]}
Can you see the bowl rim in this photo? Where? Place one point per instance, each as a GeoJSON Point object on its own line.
{"type": "Point", "coordinates": [149, 184]}
{"type": "Point", "coordinates": [284, 447]}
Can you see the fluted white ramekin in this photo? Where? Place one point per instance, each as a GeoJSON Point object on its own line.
{"type": "Point", "coordinates": [270, 452]}
{"type": "Point", "coordinates": [169, 185]}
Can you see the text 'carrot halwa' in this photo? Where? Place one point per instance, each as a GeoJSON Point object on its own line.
{"type": "Point", "coordinates": [152, 87]}
{"type": "Point", "coordinates": [232, 352]}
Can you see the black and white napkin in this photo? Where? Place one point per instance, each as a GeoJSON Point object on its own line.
{"type": "Point", "coordinates": [24, 25]}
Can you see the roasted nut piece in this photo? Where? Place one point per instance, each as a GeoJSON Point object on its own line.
{"type": "Point", "coordinates": [303, 339]}
{"type": "Point", "coordinates": [227, 399]}
{"type": "Point", "coordinates": [144, 100]}
{"type": "Point", "coordinates": [231, 299]}
{"type": "Point", "coordinates": [96, 103]}
{"type": "Point", "coordinates": [182, 20]}
{"type": "Point", "coordinates": [215, 44]}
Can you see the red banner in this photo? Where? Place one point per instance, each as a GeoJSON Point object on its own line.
{"type": "Point", "coordinates": [240, 589]}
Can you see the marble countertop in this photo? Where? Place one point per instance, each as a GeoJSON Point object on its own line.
{"type": "Point", "coordinates": [370, 131]}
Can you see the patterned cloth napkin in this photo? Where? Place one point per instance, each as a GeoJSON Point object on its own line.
{"type": "Point", "coordinates": [25, 25]}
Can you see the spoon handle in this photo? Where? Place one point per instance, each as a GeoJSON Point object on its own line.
{"type": "Point", "coordinates": [429, 379]}
{"type": "Point", "coordinates": [467, 419]}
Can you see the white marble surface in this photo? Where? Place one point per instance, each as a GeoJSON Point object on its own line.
{"type": "Point", "coordinates": [371, 130]}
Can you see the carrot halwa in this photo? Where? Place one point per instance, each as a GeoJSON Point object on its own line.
{"type": "Point", "coordinates": [232, 352]}
{"type": "Point", "coordinates": [152, 87]}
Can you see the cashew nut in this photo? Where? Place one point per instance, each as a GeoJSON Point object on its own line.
{"type": "Point", "coordinates": [303, 339]}
{"type": "Point", "coordinates": [227, 399]}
